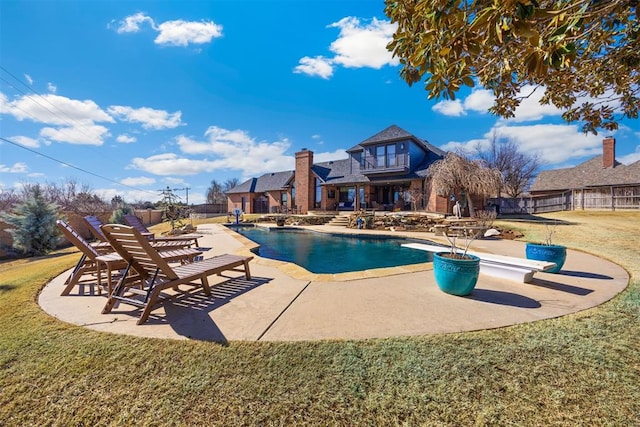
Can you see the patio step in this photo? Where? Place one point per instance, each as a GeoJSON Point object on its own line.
{"type": "Point", "coordinates": [339, 221]}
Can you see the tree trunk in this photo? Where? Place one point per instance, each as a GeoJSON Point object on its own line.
{"type": "Point", "coordinates": [472, 211]}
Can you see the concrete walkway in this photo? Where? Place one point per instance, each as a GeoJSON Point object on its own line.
{"type": "Point", "coordinates": [284, 302]}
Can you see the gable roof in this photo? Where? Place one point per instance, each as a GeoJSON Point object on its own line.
{"type": "Point", "coordinates": [267, 182]}
{"type": "Point", "coordinates": [587, 174]}
{"type": "Point", "coordinates": [395, 133]}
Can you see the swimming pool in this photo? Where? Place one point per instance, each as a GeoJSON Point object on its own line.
{"type": "Point", "coordinates": [324, 253]}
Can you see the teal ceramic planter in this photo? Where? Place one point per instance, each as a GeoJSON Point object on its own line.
{"type": "Point", "coordinates": [550, 253]}
{"type": "Point", "coordinates": [456, 276]}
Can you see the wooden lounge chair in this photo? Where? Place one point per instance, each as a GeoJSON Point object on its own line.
{"type": "Point", "coordinates": [88, 263]}
{"type": "Point", "coordinates": [93, 261]}
{"type": "Point", "coordinates": [156, 275]}
{"type": "Point", "coordinates": [94, 224]}
{"type": "Point", "coordinates": [135, 222]}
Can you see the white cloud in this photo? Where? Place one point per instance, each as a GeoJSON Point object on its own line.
{"type": "Point", "coordinates": [174, 181]}
{"type": "Point", "coordinates": [358, 45]}
{"type": "Point", "coordinates": [468, 147]}
{"type": "Point", "coordinates": [138, 181]}
{"type": "Point", "coordinates": [171, 164]}
{"type": "Point", "coordinates": [183, 33]}
{"type": "Point", "coordinates": [131, 24]}
{"type": "Point", "coordinates": [172, 33]}
{"type": "Point", "coordinates": [555, 144]}
{"type": "Point", "coordinates": [630, 158]}
{"type": "Point", "coordinates": [318, 66]}
{"type": "Point", "coordinates": [479, 100]}
{"type": "Point", "coordinates": [150, 118]}
{"type": "Point", "coordinates": [328, 156]}
{"type": "Point", "coordinates": [26, 141]}
{"type": "Point", "coordinates": [451, 108]}
{"type": "Point", "coordinates": [29, 79]}
{"type": "Point", "coordinates": [530, 108]}
{"type": "Point", "coordinates": [54, 110]}
{"type": "Point", "coordinates": [226, 149]}
{"type": "Point", "coordinates": [19, 167]}
{"type": "Point", "coordinates": [52, 88]}
{"type": "Point", "coordinates": [74, 121]}
{"type": "Point", "coordinates": [81, 135]}
{"type": "Point", "coordinates": [126, 139]}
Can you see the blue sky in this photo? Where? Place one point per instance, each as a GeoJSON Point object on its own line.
{"type": "Point", "coordinates": [178, 93]}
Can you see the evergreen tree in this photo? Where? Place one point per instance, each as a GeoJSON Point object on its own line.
{"type": "Point", "coordinates": [118, 215]}
{"type": "Point", "coordinates": [34, 224]}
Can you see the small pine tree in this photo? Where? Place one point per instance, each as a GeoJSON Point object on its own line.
{"type": "Point", "coordinates": [117, 217]}
{"type": "Point", "coordinates": [34, 224]}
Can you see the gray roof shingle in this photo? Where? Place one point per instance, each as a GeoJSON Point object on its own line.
{"type": "Point", "coordinates": [267, 182]}
{"type": "Point", "coordinates": [395, 133]}
{"type": "Point", "coordinates": [587, 174]}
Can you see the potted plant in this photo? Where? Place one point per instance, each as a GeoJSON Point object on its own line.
{"type": "Point", "coordinates": [456, 272]}
{"type": "Point", "coordinates": [547, 251]}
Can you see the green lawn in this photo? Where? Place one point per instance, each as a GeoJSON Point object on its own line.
{"type": "Point", "coordinates": [582, 369]}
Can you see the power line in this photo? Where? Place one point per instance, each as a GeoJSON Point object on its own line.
{"type": "Point", "coordinates": [73, 124]}
{"type": "Point", "coordinates": [74, 167]}
{"type": "Point", "coordinates": [31, 98]}
{"type": "Point", "coordinates": [187, 191]}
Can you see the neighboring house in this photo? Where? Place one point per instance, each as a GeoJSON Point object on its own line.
{"type": "Point", "coordinates": [388, 171]}
{"type": "Point", "coordinates": [599, 183]}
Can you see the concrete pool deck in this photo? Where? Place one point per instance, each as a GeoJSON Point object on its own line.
{"type": "Point", "coordinates": [284, 302]}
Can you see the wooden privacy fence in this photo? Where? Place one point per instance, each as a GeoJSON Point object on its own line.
{"type": "Point", "coordinates": [600, 198]}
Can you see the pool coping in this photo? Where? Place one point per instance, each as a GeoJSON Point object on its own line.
{"type": "Point", "coordinates": [297, 272]}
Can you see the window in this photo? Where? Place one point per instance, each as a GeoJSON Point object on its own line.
{"type": "Point", "coordinates": [391, 155]}
{"type": "Point", "coordinates": [318, 198]}
{"type": "Point", "coordinates": [386, 156]}
{"type": "Point", "coordinates": [380, 156]}
{"type": "Point", "coordinates": [283, 199]}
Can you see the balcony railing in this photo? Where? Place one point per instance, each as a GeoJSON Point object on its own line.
{"type": "Point", "coordinates": [401, 164]}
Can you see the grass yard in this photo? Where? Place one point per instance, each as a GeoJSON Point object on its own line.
{"type": "Point", "coordinates": [582, 369]}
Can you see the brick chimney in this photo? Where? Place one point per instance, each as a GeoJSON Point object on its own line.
{"type": "Point", "coordinates": [608, 152]}
{"type": "Point", "coordinates": [305, 189]}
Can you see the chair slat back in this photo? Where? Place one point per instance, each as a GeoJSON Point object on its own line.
{"type": "Point", "coordinates": [135, 222]}
{"type": "Point", "coordinates": [136, 250]}
{"type": "Point", "coordinates": [77, 240]}
{"type": "Point", "coordinates": [94, 224]}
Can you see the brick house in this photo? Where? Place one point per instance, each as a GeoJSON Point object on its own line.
{"type": "Point", "coordinates": [388, 171]}
{"type": "Point", "coordinates": [599, 183]}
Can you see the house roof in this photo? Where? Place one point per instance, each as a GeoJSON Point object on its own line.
{"type": "Point", "coordinates": [267, 182]}
{"type": "Point", "coordinates": [340, 171]}
{"type": "Point", "coordinates": [395, 133]}
{"type": "Point", "coordinates": [587, 174]}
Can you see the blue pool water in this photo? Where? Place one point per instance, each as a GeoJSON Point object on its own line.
{"type": "Point", "coordinates": [332, 253]}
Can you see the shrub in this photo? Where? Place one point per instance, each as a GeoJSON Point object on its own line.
{"type": "Point", "coordinates": [34, 224]}
{"type": "Point", "coordinates": [117, 217]}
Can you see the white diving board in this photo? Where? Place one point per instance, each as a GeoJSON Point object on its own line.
{"type": "Point", "coordinates": [506, 267]}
